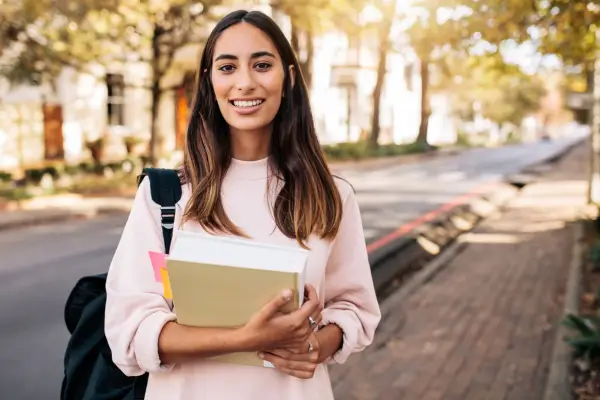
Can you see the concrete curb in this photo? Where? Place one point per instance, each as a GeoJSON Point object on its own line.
{"type": "Point", "coordinates": [395, 263]}
{"type": "Point", "coordinates": [432, 242]}
{"type": "Point", "coordinates": [558, 386]}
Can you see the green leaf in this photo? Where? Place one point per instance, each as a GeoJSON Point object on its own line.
{"type": "Point", "coordinates": [584, 326]}
{"type": "Point", "coordinates": [585, 342]}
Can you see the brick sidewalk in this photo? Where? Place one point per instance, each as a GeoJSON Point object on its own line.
{"type": "Point", "coordinates": [483, 328]}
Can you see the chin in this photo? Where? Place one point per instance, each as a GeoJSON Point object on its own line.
{"type": "Point", "coordinates": [248, 126]}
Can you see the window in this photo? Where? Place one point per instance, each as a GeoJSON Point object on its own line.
{"type": "Point", "coordinates": [183, 98]}
{"type": "Point", "coordinates": [115, 85]}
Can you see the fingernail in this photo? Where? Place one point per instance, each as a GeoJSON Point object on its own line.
{"type": "Point", "coordinates": [287, 294]}
{"type": "Point", "coordinates": [261, 355]}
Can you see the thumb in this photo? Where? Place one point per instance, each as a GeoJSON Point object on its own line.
{"type": "Point", "coordinates": [272, 307]}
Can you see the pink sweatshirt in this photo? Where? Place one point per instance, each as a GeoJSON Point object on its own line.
{"type": "Point", "coordinates": [136, 311]}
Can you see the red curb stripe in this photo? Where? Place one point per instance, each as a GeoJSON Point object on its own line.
{"type": "Point", "coordinates": [408, 227]}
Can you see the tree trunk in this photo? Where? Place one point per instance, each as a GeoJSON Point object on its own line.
{"type": "Point", "coordinates": [304, 62]}
{"type": "Point", "coordinates": [154, 139]}
{"type": "Point", "coordinates": [425, 108]}
{"type": "Point", "coordinates": [295, 39]}
{"type": "Point", "coordinates": [377, 91]}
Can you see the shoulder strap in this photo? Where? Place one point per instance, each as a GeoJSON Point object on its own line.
{"type": "Point", "coordinates": [165, 188]}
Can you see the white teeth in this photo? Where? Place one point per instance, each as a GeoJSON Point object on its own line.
{"type": "Point", "coordinates": [251, 103]}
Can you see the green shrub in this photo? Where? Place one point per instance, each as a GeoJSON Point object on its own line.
{"type": "Point", "coordinates": [6, 176]}
{"type": "Point", "coordinates": [586, 340]}
{"type": "Point", "coordinates": [93, 184]}
{"type": "Point", "coordinates": [362, 149]}
{"type": "Point", "coordinates": [86, 167]}
{"type": "Point", "coordinates": [72, 170]}
{"type": "Point", "coordinates": [54, 171]}
{"type": "Point", "coordinates": [463, 139]}
{"type": "Point", "coordinates": [19, 193]}
{"type": "Point", "coordinates": [33, 176]}
{"type": "Point", "coordinates": [594, 257]}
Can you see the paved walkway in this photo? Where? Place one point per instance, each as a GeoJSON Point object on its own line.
{"type": "Point", "coordinates": [483, 328]}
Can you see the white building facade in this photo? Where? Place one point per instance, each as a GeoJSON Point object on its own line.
{"type": "Point", "coordinates": [343, 80]}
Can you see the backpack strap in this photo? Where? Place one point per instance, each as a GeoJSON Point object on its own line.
{"type": "Point", "coordinates": [165, 188]}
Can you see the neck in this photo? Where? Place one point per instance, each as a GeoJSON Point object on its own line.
{"type": "Point", "coordinates": [250, 145]}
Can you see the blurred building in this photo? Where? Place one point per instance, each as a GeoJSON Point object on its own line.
{"type": "Point", "coordinates": [41, 124]}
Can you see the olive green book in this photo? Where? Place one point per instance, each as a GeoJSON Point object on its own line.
{"type": "Point", "coordinates": [221, 282]}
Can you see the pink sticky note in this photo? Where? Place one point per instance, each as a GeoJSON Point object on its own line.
{"type": "Point", "coordinates": [158, 260]}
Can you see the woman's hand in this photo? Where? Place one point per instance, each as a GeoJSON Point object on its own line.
{"type": "Point", "coordinates": [300, 362]}
{"type": "Point", "coordinates": [269, 328]}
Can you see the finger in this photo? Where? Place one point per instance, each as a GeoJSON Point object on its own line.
{"type": "Point", "coordinates": [315, 343]}
{"type": "Point", "coordinates": [272, 307]}
{"type": "Point", "coordinates": [286, 354]}
{"type": "Point", "coordinates": [317, 316]}
{"type": "Point", "coordinates": [312, 303]}
{"type": "Point", "coordinates": [310, 292]}
{"type": "Point", "coordinates": [297, 374]}
{"type": "Point", "coordinates": [281, 363]}
{"type": "Point", "coordinates": [301, 356]}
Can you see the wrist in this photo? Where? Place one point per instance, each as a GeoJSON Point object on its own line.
{"type": "Point", "coordinates": [242, 340]}
{"type": "Point", "coordinates": [330, 339]}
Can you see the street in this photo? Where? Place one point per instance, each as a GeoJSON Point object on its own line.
{"type": "Point", "coordinates": [391, 197]}
{"type": "Point", "coordinates": [40, 264]}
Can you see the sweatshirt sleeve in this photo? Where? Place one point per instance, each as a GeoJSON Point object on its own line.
{"type": "Point", "coordinates": [350, 300]}
{"type": "Point", "coordinates": [136, 310]}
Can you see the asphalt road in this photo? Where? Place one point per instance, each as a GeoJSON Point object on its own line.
{"type": "Point", "coordinates": [396, 195]}
{"type": "Point", "coordinates": [39, 265]}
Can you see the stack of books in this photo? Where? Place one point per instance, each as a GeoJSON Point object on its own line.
{"type": "Point", "coordinates": [221, 282]}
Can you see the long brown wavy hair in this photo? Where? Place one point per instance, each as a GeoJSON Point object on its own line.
{"type": "Point", "coordinates": [308, 201]}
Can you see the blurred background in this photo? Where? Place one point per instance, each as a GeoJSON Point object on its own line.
{"type": "Point", "coordinates": [89, 84]}
{"type": "Point", "coordinates": [416, 102]}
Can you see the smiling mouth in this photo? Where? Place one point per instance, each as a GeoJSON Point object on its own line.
{"type": "Point", "coordinates": [246, 103]}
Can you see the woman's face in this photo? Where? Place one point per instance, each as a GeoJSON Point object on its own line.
{"type": "Point", "coordinates": [247, 77]}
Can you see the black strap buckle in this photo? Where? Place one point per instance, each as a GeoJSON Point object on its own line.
{"type": "Point", "coordinates": [167, 217]}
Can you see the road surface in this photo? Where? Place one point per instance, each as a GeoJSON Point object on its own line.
{"type": "Point", "coordinates": [39, 265]}
{"type": "Point", "coordinates": [393, 196]}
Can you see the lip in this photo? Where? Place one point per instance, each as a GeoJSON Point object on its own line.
{"type": "Point", "coordinates": [246, 110]}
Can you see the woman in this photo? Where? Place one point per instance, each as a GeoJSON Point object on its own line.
{"type": "Point", "coordinates": [253, 168]}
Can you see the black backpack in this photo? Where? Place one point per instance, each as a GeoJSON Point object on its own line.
{"type": "Point", "coordinates": [89, 373]}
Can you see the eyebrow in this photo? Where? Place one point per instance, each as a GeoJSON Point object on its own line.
{"type": "Point", "coordinates": [257, 54]}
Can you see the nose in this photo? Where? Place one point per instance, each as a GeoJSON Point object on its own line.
{"type": "Point", "coordinates": [245, 80]}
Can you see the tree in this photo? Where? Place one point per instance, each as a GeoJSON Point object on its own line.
{"type": "Point", "coordinates": [439, 29]}
{"type": "Point", "coordinates": [382, 31]}
{"type": "Point", "coordinates": [504, 93]}
{"type": "Point", "coordinates": [309, 18]}
{"type": "Point", "coordinates": [81, 34]}
{"type": "Point", "coordinates": [36, 45]}
{"type": "Point", "coordinates": [567, 28]}
{"type": "Point", "coordinates": [430, 39]}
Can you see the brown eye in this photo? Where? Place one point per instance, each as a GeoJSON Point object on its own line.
{"type": "Point", "coordinates": [226, 68]}
{"type": "Point", "coordinates": [263, 66]}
